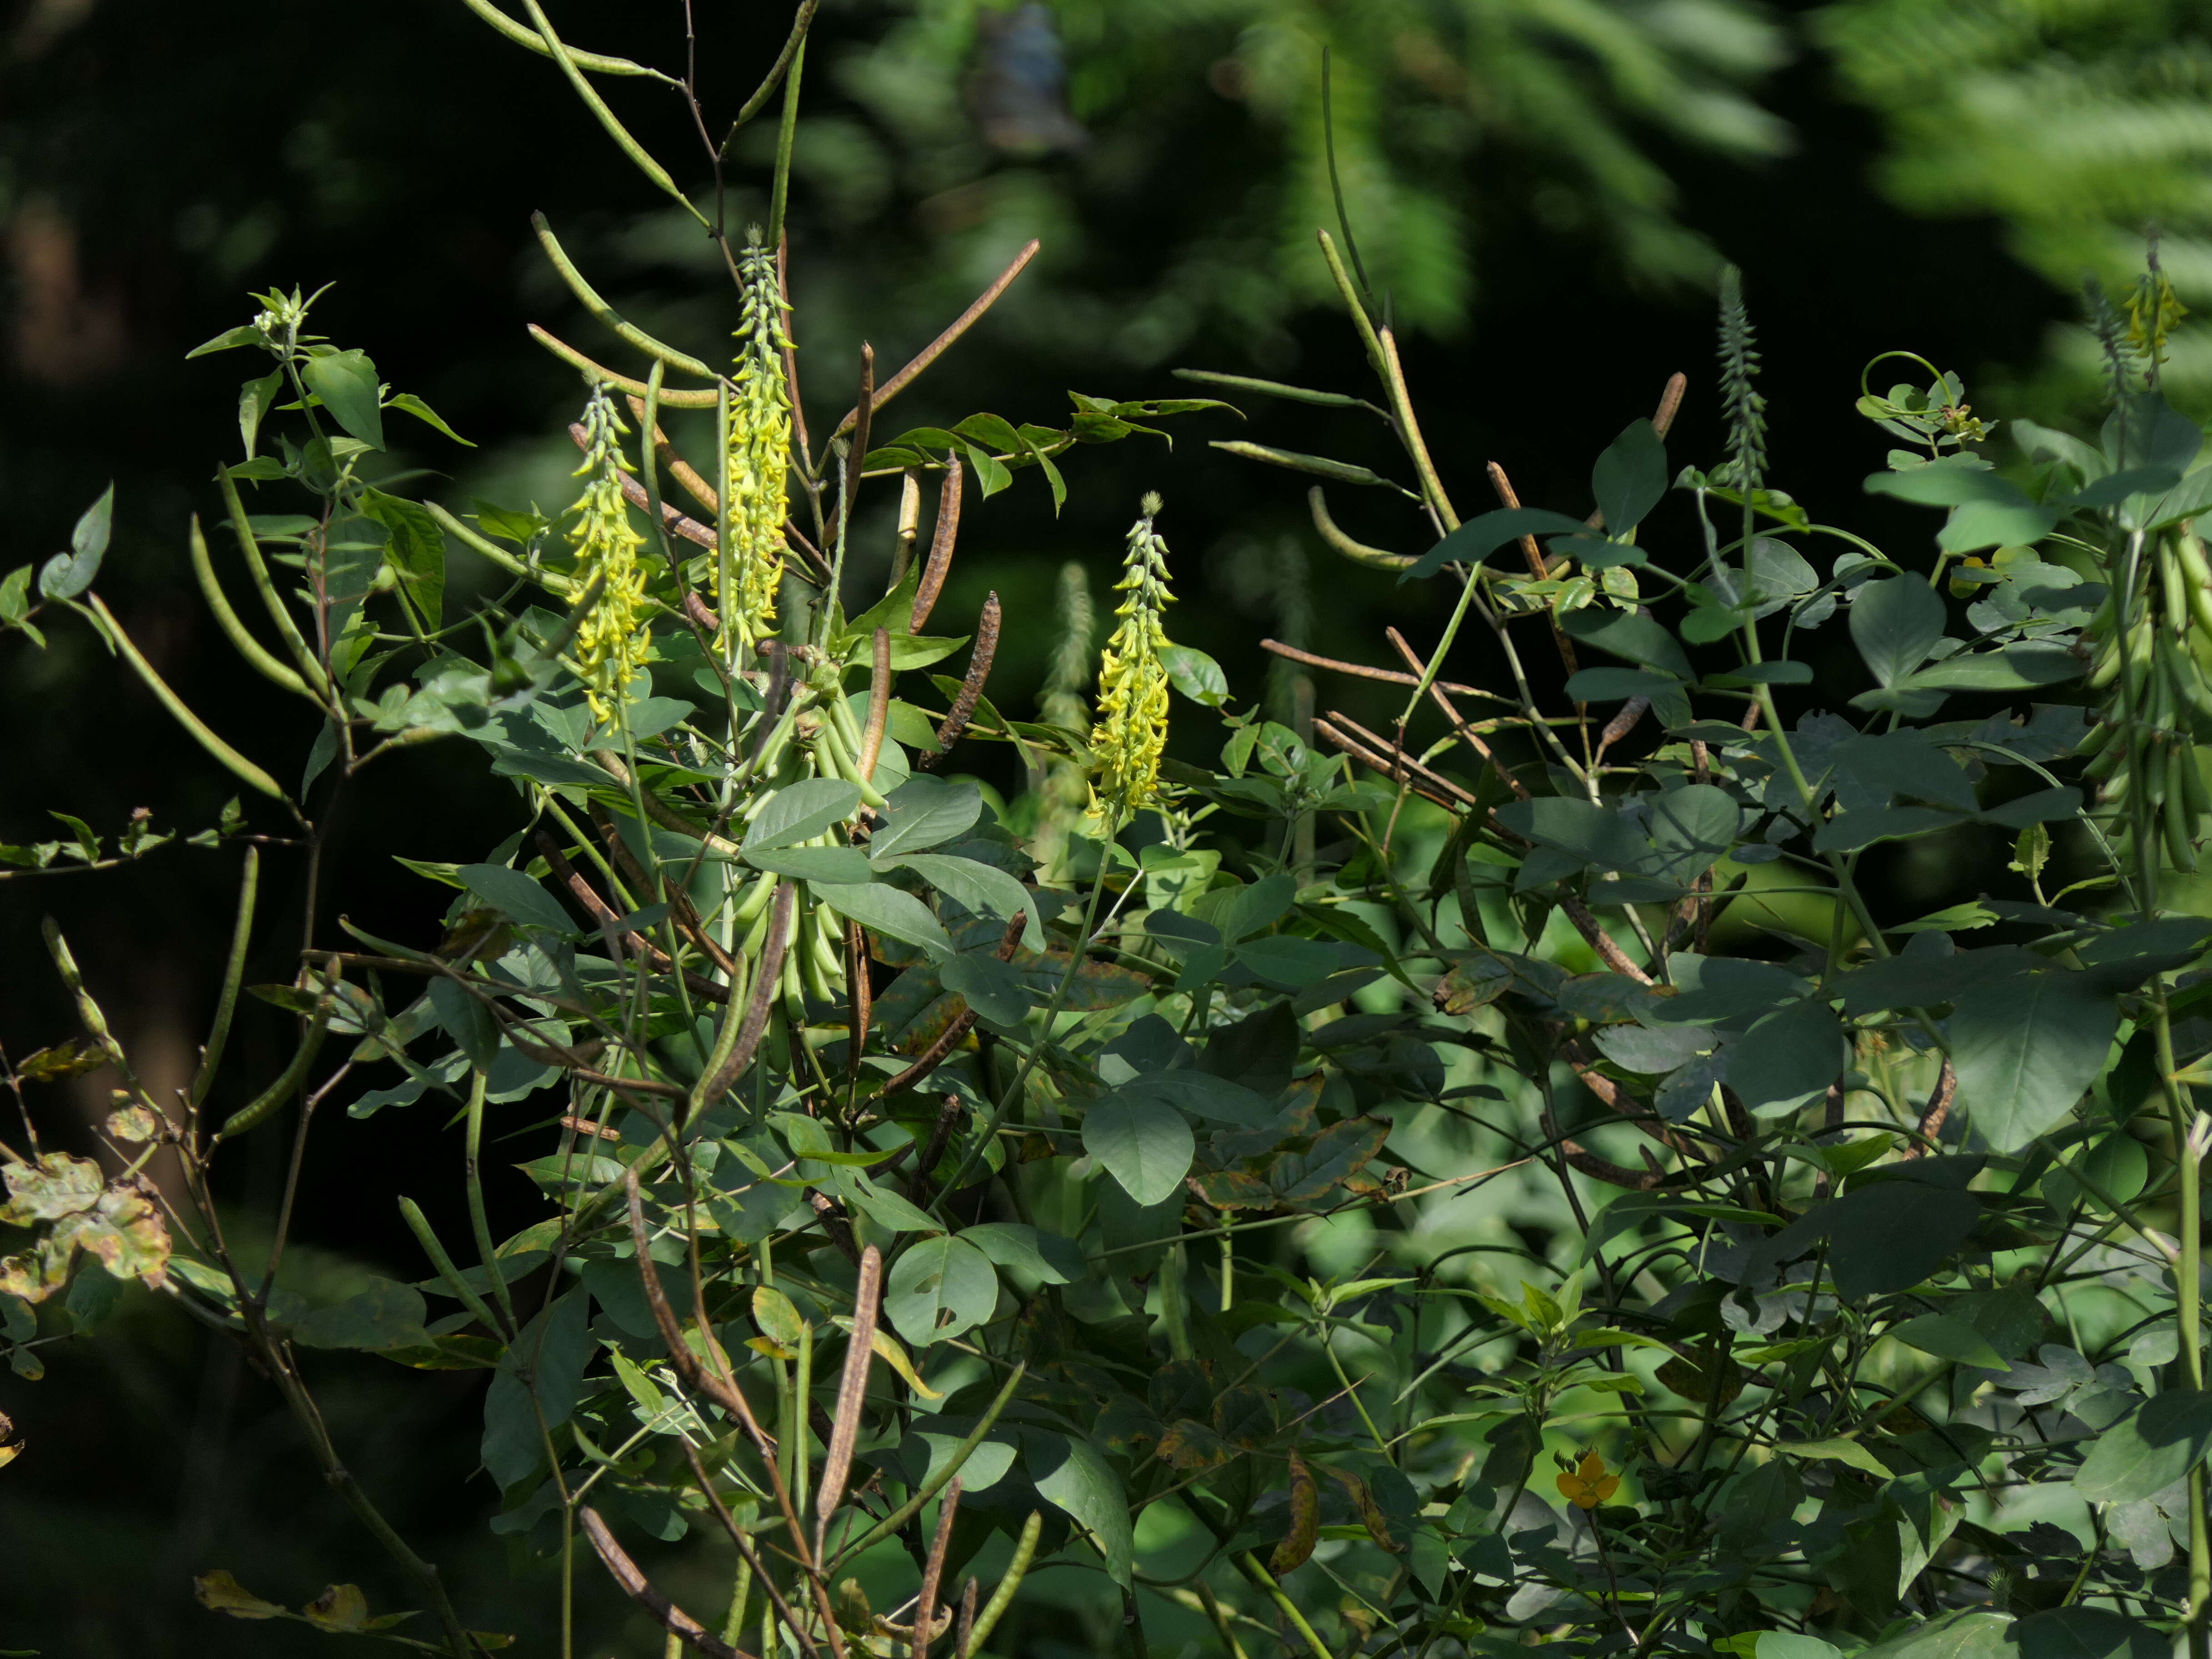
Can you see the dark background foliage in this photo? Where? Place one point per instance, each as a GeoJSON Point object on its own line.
{"type": "Point", "coordinates": [157, 161]}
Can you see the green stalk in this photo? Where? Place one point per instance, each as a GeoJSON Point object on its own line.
{"type": "Point", "coordinates": [785, 134]}
{"type": "Point", "coordinates": [227, 619]}
{"type": "Point", "coordinates": [233, 975]}
{"type": "Point", "coordinates": [478, 1221]}
{"type": "Point", "coordinates": [112, 631]}
{"type": "Point", "coordinates": [584, 90]}
{"type": "Point", "coordinates": [311, 668]}
{"type": "Point", "coordinates": [929, 1488]}
{"type": "Point", "coordinates": [419, 1224]}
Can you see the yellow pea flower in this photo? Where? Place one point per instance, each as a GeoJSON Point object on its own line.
{"type": "Point", "coordinates": [1131, 731]}
{"type": "Point", "coordinates": [612, 638]}
{"type": "Point", "coordinates": [759, 455]}
{"type": "Point", "coordinates": [1587, 1485]}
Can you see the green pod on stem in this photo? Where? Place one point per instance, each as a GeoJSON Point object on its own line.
{"type": "Point", "coordinates": [2179, 819]}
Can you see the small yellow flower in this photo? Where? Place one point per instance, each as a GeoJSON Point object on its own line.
{"type": "Point", "coordinates": [1131, 731]}
{"type": "Point", "coordinates": [611, 639]}
{"type": "Point", "coordinates": [1588, 1485]}
{"type": "Point", "coordinates": [759, 455]}
{"type": "Point", "coordinates": [2154, 310]}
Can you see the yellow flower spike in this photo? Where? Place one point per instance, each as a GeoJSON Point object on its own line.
{"type": "Point", "coordinates": [1587, 1485]}
{"type": "Point", "coordinates": [759, 455]}
{"type": "Point", "coordinates": [611, 639]}
{"type": "Point", "coordinates": [1131, 731]}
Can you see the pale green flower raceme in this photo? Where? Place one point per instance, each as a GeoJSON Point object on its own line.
{"type": "Point", "coordinates": [759, 455]}
{"type": "Point", "coordinates": [612, 639]}
{"type": "Point", "coordinates": [1132, 729]}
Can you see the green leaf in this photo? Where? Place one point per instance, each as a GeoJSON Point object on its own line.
{"type": "Point", "coordinates": [1895, 623]}
{"type": "Point", "coordinates": [799, 812]}
{"type": "Point", "coordinates": [1071, 1472]}
{"type": "Point", "coordinates": [255, 399]}
{"type": "Point", "coordinates": [2142, 1455]}
{"type": "Point", "coordinates": [928, 1448]}
{"type": "Point", "coordinates": [1478, 538]}
{"type": "Point", "coordinates": [68, 574]}
{"type": "Point", "coordinates": [925, 811]}
{"type": "Point", "coordinates": [1142, 1144]}
{"type": "Point", "coordinates": [834, 865]}
{"type": "Point", "coordinates": [1892, 1235]}
{"type": "Point", "coordinates": [778, 1319]}
{"type": "Point", "coordinates": [886, 910]}
{"type": "Point", "coordinates": [515, 893]}
{"type": "Point", "coordinates": [2025, 1050]}
{"type": "Point", "coordinates": [2015, 668]}
{"type": "Point", "coordinates": [1617, 684]}
{"type": "Point", "coordinates": [1788, 1057]}
{"type": "Point", "coordinates": [978, 886]}
{"type": "Point", "coordinates": [994, 989]}
{"type": "Point", "coordinates": [1597, 835]}
{"type": "Point", "coordinates": [1949, 1337]}
{"type": "Point", "coordinates": [1848, 1452]}
{"type": "Point", "coordinates": [1643, 639]}
{"type": "Point", "coordinates": [1195, 674]}
{"type": "Point", "coordinates": [415, 551]}
{"type": "Point", "coordinates": [1693, 829]}
{"type": "Point", "coordinates": [938, 1289]}
{"type": "Point", "coordinates": [1630, 478]}
{"type": "Point", "coordinates": [347, 383]}
{"type": "Point", "coordinates": [1968, 1635]}
{"type": "Point", "coordinates": [1041, 1255]}
{"type": "Point", "coordinates": [386, 1316]}
{"type": "Point", "coordinates": [2079, 1633]}
{"type": "Point", "coordinates": [229, 340]}
{"type": "Point", "coordinates": [422, 411]}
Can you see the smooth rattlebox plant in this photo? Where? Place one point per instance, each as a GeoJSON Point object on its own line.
{"type": "Point", "coordinates": [1507, 1179]}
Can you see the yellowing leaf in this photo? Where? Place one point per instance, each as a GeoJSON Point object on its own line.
{"type": "Point", "coordinates": [219, 1592]}
{"type": "Point", "coordinates": [778, 1319]}
{"type": "Point", "coordinates": [134, 1124]}
{"type": "Point", "coordinates": [888, 1350]}
{"type": "Point", "coordinates": [339, 1608]}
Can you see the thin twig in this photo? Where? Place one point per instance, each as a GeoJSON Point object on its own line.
{"type": "Point", "coordinates": [635, 1584]}
{"type": "Point", "coordinates": [937, 348]}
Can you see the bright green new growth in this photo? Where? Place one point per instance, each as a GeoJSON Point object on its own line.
{"type": "Point", "coordinates": [1131, 730]}
{"type": "Point", "coordinates": [610, 641]}
{"type": "Point", "coordinates": [759, 455]}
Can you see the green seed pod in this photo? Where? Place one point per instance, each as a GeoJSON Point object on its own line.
{"type": "Point", "coordinates": [2189, 552]}
{"type": "Point", "coordinates": [2179, 819]}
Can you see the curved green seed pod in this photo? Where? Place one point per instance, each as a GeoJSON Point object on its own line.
{"type": "Point", "coordinates": [2197, 574]}
{"type": "Point", "coordinates": [2096, 740]}
{"type": "Point", "coordinates": [2114, 791]}
{"type": "Point", "coordinates": [265, 1105]}
{"type": "Point", "coordinates": [1003, 1597]}
{"type": "Point", "coordinates": [754, 904]}
{"type": "Point", "coordinates": [2106, 668]}
{"type": "Point", "coordinates": [2107, 759]}
{"type": "Point", "coordinates": [831, 748]}
{"type": "Point", "coordinates": [2196, 793]}
{"type": "Point", "coordinates": [2173, 589]}
{"type": "Point", "coordinates": [2177, 819]}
